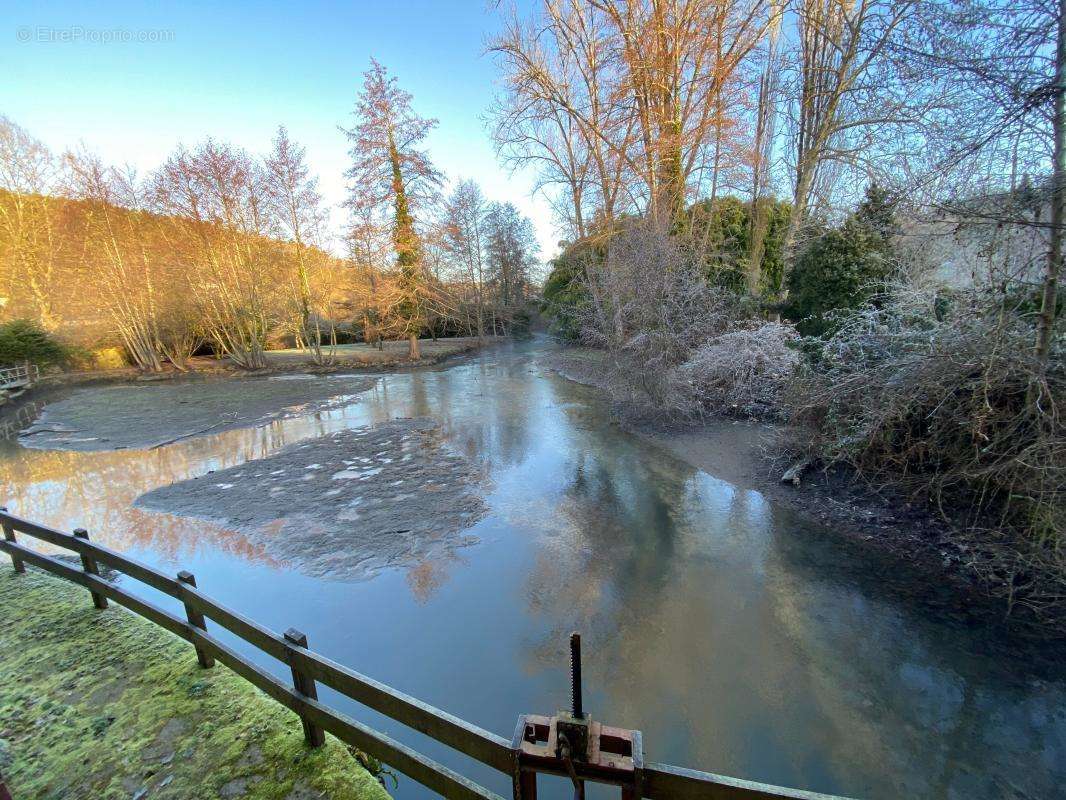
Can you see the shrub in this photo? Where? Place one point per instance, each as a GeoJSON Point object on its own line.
{"type": "Point", "coordinates": [522, 323]}
{"type": "Point", "coordinates": [565, 291]}
{"type": "Point", "coordinates": [23, 340]}
{"type": "Point", "coordinates": [651, 307]}
{"type": "Point", "coordinates": [723, 231]}
{"type": "Point", "coordinates": [843, 268]}
{"type": "Point", "coordinates": [937, 395]}
{"type": "Point", "coordinates": [744, 371]}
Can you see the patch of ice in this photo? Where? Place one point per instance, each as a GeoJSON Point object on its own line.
{"type": "Point", "coordinates": [224, 485]}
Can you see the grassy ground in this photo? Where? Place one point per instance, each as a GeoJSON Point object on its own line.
{"type": "Point", "coordinates": [102, 704]}
{"type": "Point", "coordinates": [367, 355]}
{"type": "Point", "coordinates": [346, 357]}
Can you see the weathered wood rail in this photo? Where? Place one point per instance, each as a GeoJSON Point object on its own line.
{"type": "Point", "coordinates": [519, 758]}
{"type": "Point", "coordinates": [19, 377]}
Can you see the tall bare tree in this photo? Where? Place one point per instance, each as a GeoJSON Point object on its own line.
{"type": "Point", "coordinates": [646, 83]}
{"type": "Point", "coordinates": [121, 263]}
{"type": "Point", "coordinates": [28, 224]}
{"type": "Point", "coordinates": [466, 239]}
{"type": "Point", "coordinates": [219, 194]}
{"type": "Point", "coordinates": [843, 92]}
{"type": "Point", "coordinates": [292, 194]}
{"type": "Point", "coordinates": [763, 146]}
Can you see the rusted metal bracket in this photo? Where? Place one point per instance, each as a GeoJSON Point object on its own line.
{"type": "Point", "coordinates": [573, 745]}
{"type": "Point", "coordinates": [615, 755]}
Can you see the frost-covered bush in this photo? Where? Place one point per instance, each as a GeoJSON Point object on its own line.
{"type": "Point", "coordinates": [650, 307]}
{"type": "Point", "coordinates": [743, 371]}
{"type": "Point", "coordinates": [942, 396]}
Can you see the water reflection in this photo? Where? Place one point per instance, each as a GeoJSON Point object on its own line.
{"type": "Point", "coordinates": [738, 637]}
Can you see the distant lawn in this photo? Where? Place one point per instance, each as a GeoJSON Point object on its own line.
{"type": "Point", "coordinates": [391, 352]}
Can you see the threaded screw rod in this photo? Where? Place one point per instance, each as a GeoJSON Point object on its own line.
{"type": "Point", "coordinates": [575, 676]}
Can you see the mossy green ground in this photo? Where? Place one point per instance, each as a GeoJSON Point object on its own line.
{"type": "Point", "coordinates": [103, 704]}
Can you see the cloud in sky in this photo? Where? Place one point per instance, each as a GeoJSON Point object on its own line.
{"type": "Point", "coordinates": [131, 82]}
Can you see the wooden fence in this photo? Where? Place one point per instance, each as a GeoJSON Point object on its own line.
{"type": "Point", "coordinates": [19, 377]}
{"type": "Point", "coordinates": [519, 758]}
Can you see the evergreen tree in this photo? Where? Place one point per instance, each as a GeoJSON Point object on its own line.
{"type": "Point", "coordinates": [844, 267]}
{"type": "Point", "coordinates": [390, 170]}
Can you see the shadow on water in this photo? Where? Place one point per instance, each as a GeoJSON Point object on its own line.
{"type": "Point", "coordinates": [739, 637]}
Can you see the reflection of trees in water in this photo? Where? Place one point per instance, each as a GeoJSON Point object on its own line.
{"type": "Point", "coordinates": [426, 577]}
{"type": "Point", "coordinates": [613, 552]}
{"type": "Point", "coordinates": [914, 698]}
{"type": "Point", "coordinates": [726, 629]}
{"type": "Point", "coordinates": [97, 490]}
{"type": "Point", "coordinates": [483, 409]}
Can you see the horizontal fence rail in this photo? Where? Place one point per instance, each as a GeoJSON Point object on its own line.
{"type": "Point", "coordinates": [19, 376]}
{"type": "Point", "coordinates": [508, 756]}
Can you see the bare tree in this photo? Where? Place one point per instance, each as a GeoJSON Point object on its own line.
{"type": "Point", "coordinates": [466, 239]}
{"type": "Point", "coordinates": [369, 248]}
{"type": "Point", "coordinates": [1053, 268]}
{"type": "Point", "coordinates": [638, 100]}
{"type": "Point", "coordinates": [763, 146]}
{"type": "Point", "coordinates": [125, 276]}
{"type": "Point", "coordinates": [1004, 64]}
{"type": "Point", "coordinates": [219, 193]}
{"type": "Point", "coordinates": [843, 90]}
{"type": "Point", "coordinates": [28, 225]}
{"type": "Point", "coordinates": [292, 194]}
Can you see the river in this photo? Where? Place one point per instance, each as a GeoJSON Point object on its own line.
{"type": "Point", "coordinates": [740, 638]}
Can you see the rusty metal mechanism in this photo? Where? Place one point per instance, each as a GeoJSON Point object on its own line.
{"type": "Point", "coordinates": [572, 744]}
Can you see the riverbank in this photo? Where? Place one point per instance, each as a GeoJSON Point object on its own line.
{"type": "Point", "coordinates": [150, 415]}
{"type": "Point", "coordinates": [940, 565]}
{"type": "Point", "coordinates": [174, 405]}
{"type": "Point", "coordinates": [346, 357]}
{"type": "Point", "coordinates": [103, 704]}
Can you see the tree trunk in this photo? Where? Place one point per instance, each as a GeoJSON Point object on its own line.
{"type": "Point", "coordinates": [413, 352]}
{"type": "Point", "coordinates": [1053, 266]}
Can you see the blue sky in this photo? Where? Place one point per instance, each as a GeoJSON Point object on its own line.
{"type": "Point", "coordinates": [237, 70]}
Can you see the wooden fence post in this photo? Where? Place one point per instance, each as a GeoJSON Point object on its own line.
{"type": "Point", "coordinates": [525, 787]}
{"type": "Point", "coordinates": [88, 563]}
{"type": "Point", "coordinates": [305, 685]}
{"type": "Point", "coordinates": [9, 534]}
{"type": "Point", "coordinates": [196, 619]}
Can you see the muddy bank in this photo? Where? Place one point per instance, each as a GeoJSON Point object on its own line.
{"type": "Point", "coordinates": [359, 357]}
{"type": "Point", "coordinates": [939, 565]}
{"type": "Point", "coordinates": [346, 505]}
{"type": "Point", "coordinates": [147, 415]}
{"type": "Point", "coordinates": [103, 704]}
{"type": "Point", "coordinates": [362, 359]}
